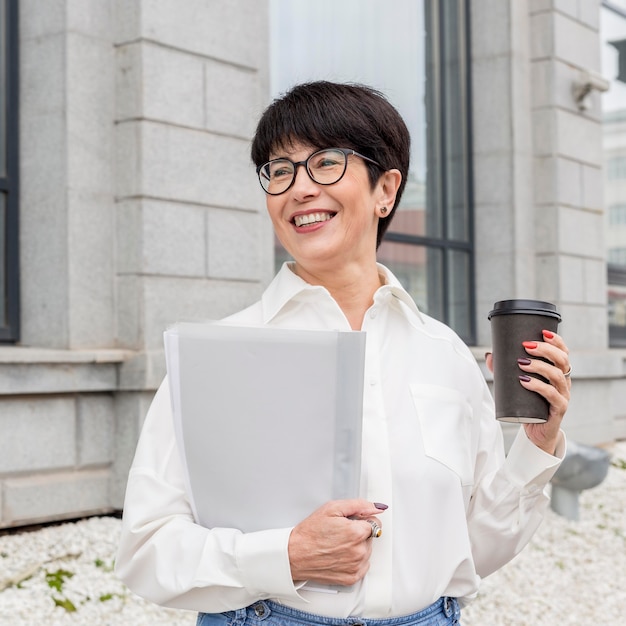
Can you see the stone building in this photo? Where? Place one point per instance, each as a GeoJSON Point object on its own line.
{"type": "Point", "coordinates": [128, 200]}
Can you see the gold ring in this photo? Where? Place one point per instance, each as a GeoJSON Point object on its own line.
{"type": "Point", "coordinates": [568, 373]}
{"type": "Point", "coordinates": [377, 531]}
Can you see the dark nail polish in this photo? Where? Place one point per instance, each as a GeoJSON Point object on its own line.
{"type": "Point", "coordinates": [524, 361]}
{"type": "Point", "coordinates": [380, 506]}
{"type": "Point", "coordinates": [524, 378]}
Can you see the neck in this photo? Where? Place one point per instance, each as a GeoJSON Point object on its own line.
{"type": "Point", "coordinates": [352, 288]}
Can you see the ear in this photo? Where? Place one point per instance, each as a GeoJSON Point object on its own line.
{"type": "Point", "coordinates": [387, 188]}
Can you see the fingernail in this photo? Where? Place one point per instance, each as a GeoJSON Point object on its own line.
{"type": "Point", "coordinates": [524, 361]}
{"type": "Point", "coordinates": [524, 378]}
{"type": "Point", "coordinates": [486, 355]}
{"type": "Point", "coordinates": [548, 334]}
{"type": "Point", "coordinates": [380, 506]}
{"type": "Point", "coordinates": [531, 345]}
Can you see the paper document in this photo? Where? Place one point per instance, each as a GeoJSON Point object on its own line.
{"type": "Point", "coordinates": [269, 420]}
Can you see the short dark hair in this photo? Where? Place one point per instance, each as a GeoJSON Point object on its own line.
{"type": "Point", "coordinates": [324, 114]}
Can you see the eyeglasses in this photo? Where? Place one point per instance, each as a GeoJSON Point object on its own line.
{"type": "Point", "coordinates": [325, 167]}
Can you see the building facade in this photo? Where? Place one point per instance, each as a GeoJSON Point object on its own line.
{"type": "Point", "coordinates": [130, 203]}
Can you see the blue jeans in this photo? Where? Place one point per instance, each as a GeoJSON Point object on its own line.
{"type": "Point", "coordinates": [444, 612]}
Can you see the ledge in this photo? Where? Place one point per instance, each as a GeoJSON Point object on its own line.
{"type": "Point", "coordinates": [26, 371]}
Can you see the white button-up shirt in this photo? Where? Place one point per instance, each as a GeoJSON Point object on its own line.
{"type": "Point", "coordinates": [432, 451]}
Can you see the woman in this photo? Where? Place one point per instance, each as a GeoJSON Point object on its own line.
{"type": "Point", "coordinates": [333, 160]}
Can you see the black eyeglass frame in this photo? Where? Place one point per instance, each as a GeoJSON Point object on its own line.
{"type": "Point", "coordinates": [346, 152]}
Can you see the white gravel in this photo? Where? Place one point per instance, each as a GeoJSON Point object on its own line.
{"type": "Point", "coordinates": [571, 573]}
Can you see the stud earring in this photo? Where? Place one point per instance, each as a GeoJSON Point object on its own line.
{"type": "Point", "coordinates": [383, 210]}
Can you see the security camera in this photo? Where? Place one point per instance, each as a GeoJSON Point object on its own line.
{"type": "Point", "coordinates": [587, 82]}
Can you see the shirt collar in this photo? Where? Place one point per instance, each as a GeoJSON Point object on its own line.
{"type": "Point", "coordinates": [288, 286]}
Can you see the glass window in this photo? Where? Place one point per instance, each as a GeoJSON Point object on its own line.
{"type": "Point", "coordinates": [613, 38]}
{"type": "Point", "coordinates": [415, 53]}
{"type": "Point", "coordinates": [8, 172]}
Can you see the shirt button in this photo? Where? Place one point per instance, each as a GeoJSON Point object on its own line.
{"type": "Point", "coordinates": [372, 382]}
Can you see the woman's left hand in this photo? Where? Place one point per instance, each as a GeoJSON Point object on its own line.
{"type": "Point", "coordinates": [556, 391]}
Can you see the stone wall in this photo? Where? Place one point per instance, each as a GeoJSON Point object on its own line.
{"type": "Point", "coordinates": [137, 209]}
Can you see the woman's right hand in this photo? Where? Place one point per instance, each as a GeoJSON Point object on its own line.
{"type": "Point", "coordinates": [332, 545]}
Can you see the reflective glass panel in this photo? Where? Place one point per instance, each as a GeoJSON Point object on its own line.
{"type": "Point", "coordinates": [3, 89]}
{"type": "Point", "coordinates": [374, 42]}
{"type": "Point", "coordinates": [613, 38]}
{"type": "Point", "coordinates": [3, 268]}
{"type": "Point", "coordinates": [420, 270]}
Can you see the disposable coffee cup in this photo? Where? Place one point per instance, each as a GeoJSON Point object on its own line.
{"type": "Point", "coordinates": [512, 322]}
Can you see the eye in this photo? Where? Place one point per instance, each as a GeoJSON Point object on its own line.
{"type": "Point", "coordinates": [328, 159]}
{"type": "Point", "coordinates": [279, 169]}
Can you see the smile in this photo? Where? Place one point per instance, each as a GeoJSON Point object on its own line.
{"type": "Point", "coordinates": [312, 218]}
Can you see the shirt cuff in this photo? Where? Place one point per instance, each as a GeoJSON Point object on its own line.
{"type": "Point", "coordinates": [527, 465]}
{"type": "Point", "coordinates": [263, 560]}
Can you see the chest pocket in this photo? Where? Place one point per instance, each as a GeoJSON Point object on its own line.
{"type": "Point", "coordinates": [445, 420]}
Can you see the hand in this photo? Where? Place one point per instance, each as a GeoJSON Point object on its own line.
{"type": "Point", "coordinates": [330, 548]}
{"type": "Point", "coordinates": [556, 391]}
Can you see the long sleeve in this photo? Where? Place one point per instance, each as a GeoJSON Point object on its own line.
{"type": "Point", "coordinates": [509, 498]}
{"type": "Point", "coordinates": [166, 557]}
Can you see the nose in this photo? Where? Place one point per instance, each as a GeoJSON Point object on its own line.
{"type": "Point", "coordinates": [303, 185]}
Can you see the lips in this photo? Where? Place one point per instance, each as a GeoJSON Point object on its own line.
{"type": "Point", "coordinates": [312, 218]}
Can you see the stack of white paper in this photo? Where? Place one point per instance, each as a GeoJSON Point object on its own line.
{"type": "Point", "coordinates": [269, 420]}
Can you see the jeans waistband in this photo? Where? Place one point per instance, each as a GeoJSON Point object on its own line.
{"type": "Point", "coordinates": [262, 610]}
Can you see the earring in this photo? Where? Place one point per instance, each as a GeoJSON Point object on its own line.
{"type": "Point", "coordinates": [383, 210]}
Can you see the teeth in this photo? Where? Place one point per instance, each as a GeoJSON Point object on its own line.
{"type": "Point", "coordinates": [311, 218]}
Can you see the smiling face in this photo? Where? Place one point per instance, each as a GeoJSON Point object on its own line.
{"type": "Point", "coordinates": [326, 227]}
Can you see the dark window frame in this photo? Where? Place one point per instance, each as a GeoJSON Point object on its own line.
{"type": "Point", "coordinates": [9, 184]}
{"type": "Point", "coordinates": [616, 274]}
{"type": "Point", "coordinates": [439, 95]}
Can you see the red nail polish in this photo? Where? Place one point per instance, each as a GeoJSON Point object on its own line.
{"type": "Point", "coordinates": [548, 334]}
{"type": "Point", "coordinates": [531, 345]}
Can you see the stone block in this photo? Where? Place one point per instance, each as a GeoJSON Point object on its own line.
{"type": "Point", "coordinates": [581, 233]}
{"type": "Point", "coordinates": [129, 103]}
{"type": "Point", "coordinates": [541, 35]}
{"type": "Point", "coordinates": [96, 429]}
{"type": "Point", "coordinates": [595, 281]}
{"type": "Point", "coordinates": [170, 300]}
{"type": "Point", "coordinates": [576, 43]}
{"type": "Point", "coordinates": [38, 20]}
{"type": "Point", "coordinates": [173, 86]}
{"type": "Point", "coordinates": [492, 16]}
{"type": "Point", "coordinates": [493, 179]}
{"type": "Point", "coordinates": [186, 165]}
{"type": "Point", "coordinates": [96, 19]}
{"type": "Point", "coordinates": [589, 13]}
{"type": "Point", "coordinates": [161, 238]}
{"type": "Point", "coordinates": [544, 132]}
{"type": "Point", "coordinates": [233, 99]}
{"type": "Point", "coordinates": [578, 138]}
{"type": "Point", "coordinates": [130, 412]}
{"type": "Point", "coordinates": [592, 187]}
{"type": "Point", "coordinates": [228, 261]}
{"type": "Point", "coordinates": [589, 418]}
{"type": "Point", "coordinates": [585, 326]}
{"type": "Point", "coordinates": [558, 181]}
{"type": "Point", "coordinates": [209, 29]}
{"type": "Point", "coordinates": [40, 498]}
{"type": "Point", "coordinates": [127, 21]}
{"type": "Point", "coordinates": [491, 79]}
{"type": "Point", "coordinates": [59, 377]}
{"type": "Point", "coordinates": [91, 302]}
{"type": "Point", "coordinates": [90, 107]}
{"type": "Point", "coordinates": [39, 434]}
{"type": "Point", "coordinates": [560, 278]}
{"type": "Point", "coordinates": [130, 331]}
